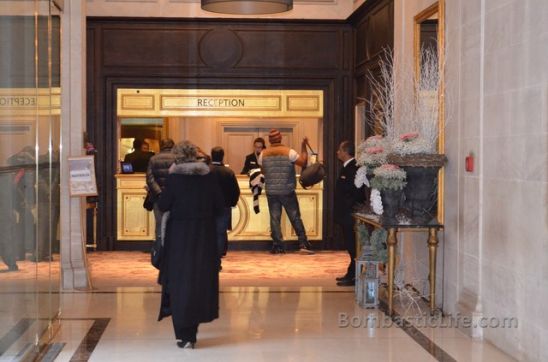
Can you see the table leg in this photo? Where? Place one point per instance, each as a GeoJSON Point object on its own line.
{"type": "Point", "coordinates": [391, 241]}
{"type": "Point", "coordinates": [432, 249]}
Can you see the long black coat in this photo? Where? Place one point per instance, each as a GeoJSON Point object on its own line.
{"type": "Point", "coordinates": [347, 195]}
{"type": "Point", "coordinates": [189, 271]}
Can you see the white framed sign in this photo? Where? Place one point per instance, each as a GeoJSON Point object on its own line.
{"type": "Point", "coordinates": [82, 176]}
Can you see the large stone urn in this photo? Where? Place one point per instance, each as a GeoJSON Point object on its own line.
{"type": "Point", "coordinates": [391, 203]}
{"type": "Point", "coordinates": [421, 191]}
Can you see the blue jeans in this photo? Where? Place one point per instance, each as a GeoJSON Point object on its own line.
{"type": "Point", "coordinates": [291, 206]}
{"type": "Point", "coordinates": [221, 224]}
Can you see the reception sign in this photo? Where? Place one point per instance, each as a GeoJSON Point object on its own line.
{"type": "Point", "coordinates": [219, 102]}
{"type": "Point", "coordinates": [16, 102]}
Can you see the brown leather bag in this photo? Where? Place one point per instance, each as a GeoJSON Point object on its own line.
{"type": "Point", "coordinates": [312, 174]}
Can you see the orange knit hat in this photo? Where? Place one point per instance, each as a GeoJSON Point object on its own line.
{"type": "Point", "coordinates": [274, 136]}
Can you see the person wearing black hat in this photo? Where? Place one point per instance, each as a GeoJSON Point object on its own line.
{"type": "Point", "coordinates": [251, 159]}
{"type": "Point", "coordinates": [279, 173]}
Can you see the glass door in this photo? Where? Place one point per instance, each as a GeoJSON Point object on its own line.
{"type": "Point", "coordinates": [29, 175]}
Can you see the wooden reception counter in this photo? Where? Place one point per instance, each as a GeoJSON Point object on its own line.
{"type": "Point", "coordinates": [137, 224]}
{"type": "Point", "coordinates": [134, 222]}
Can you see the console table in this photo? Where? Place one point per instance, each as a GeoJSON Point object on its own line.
{"type": "Point", "coordinates": [392, 240]}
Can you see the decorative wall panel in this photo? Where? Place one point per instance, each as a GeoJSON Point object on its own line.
{"type": "Point", "coordinates": [374, 24]}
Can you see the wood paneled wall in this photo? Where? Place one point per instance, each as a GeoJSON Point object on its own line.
{"type": "Point", "coordinates": [374, 32]}
{"type": "Point", "coordinates": [142, 53]}
{"type": "Point", "coordinates": [230, 54]}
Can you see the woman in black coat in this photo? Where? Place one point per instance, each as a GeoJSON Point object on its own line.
{"type": "Point", "coordinates": [189, 271]}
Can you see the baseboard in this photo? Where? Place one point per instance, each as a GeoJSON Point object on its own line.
{"type": "Point", "coordinates": [248, 245]}
{"type": "Point", "coordinates": [469, 308]}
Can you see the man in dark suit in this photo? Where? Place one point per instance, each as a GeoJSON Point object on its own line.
{"type": "Point", "coordinates": [231, 193]}
{"type": "Point", "coordinates": [251, 159]}
{"type": "Point", "coordinates": [140, 156]}
{"type": "Point", "coordinates": [347, 196]}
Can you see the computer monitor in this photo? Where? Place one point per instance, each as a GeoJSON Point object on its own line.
{"type": "Point", "coordinates": [126, 167]}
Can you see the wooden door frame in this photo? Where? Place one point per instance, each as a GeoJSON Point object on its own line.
{"type": "Point", "coordinates": [110, 241]}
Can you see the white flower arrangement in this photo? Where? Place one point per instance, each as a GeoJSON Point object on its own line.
{"type": "Point", "coordinates": [361, 177]}
{"type": "Point", "coordinates": [372, 152]}
{"type": "Point", "coordinates": [376, 202]}
{"type": "Point", "coordinates": [411, 143]}
{"type": "Point", "coordinates": [398, 110]}
{"type": "Point", "coordinates": [389, 177]}
{"type": "Point", "coordinates": [375, 141]}
{"type": "Point", "coordinates": [372, 157]}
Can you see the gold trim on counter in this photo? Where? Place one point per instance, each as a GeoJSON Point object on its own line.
{"type": "Point", "coordinates": [137, 224]}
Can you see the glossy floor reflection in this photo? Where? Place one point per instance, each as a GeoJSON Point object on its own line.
{"type": "Point", "coordinates": [255, 324]}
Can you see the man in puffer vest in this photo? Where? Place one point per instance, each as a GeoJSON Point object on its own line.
{"type": "Point", "coordinates": [157, 172]}
{"type": "Point", "coordinates": [278, 167]}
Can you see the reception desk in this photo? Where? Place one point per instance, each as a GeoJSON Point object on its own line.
{"type": "Point", "coordinates": [134, 222]}
{"type": "Point", "coordinates": [137, 224]}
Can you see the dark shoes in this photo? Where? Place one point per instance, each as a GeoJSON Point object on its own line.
{"type": "Point", "coordinates": [306, 251]}
{"type": "Point", "coordinates": [342, 278]}
{"type": "Point", "coordinates": [277, 249]}
{"type": "Point", "coordinates": [305, 248]}
{"type": "Point", "coordinates": [350, 282]}
{"type": "Point", "coordinates": [186, 344]}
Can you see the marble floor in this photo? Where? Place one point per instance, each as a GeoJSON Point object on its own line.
{"type": "Point", "coordinates": [255, 324]}
{"type": "Point", "coordinates": [297, 322]}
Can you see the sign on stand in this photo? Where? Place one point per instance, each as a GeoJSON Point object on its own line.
{"type": "Point", "coordinates": [82, 176]}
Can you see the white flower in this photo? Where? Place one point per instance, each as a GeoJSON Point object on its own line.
{"type": "Point", "coordinates": [372, 151]}
{"type": "Point", "coordinates": [371, 159]}
{"type": "Point", "coordinates": [389, 176]}
{"type": "Point", "coordinates": [390, 171]}
{"type": "Point", "coordinates": [361, 177]}
{"type": "Point", "coordinates": [417, 145]}
{"type": "Point", "coordinates": [375, 141]}
{"type": "Point", "coordinates": [376, 202]}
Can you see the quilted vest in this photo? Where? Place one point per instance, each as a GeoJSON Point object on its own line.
{"type": "Point", "coordinates": [279, 172]}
